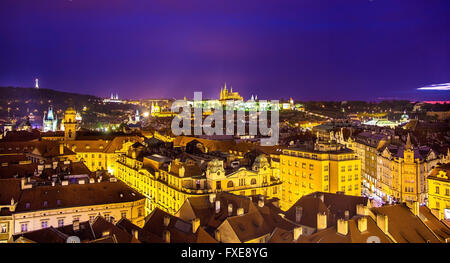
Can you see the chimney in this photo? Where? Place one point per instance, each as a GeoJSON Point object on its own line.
{"type": "Point", "coordinates": [362, 224]}
{"type": "Point", "coordinates": [342, 227]}
{"type": "Point", "coordinates": [321, 197]}
{"type": "Point", "coordinates": [217, 206]}
{"type": "Point", "coordinates": [298, 214]}
{"type": "Point", "coordinates": [240, 211]}
{"type": "Point", "coordinates": [166, 221]}
{"type": "Point", "coordinates": [321, 221]}
{"type": "Point", "coordinates": [382, 222]}
{"type": "Point", "coordinates": [230, 209]}
{"type": "Point", "coordinates": [212, 198]}
{"type": "Point", "coordinates": [195, 224]}
{"type": "Point", "coordinates": [166, 236]}
{"type": "Point", "coordinates": [261, 203]}
{"type": "Point", "coordinates": [135, 234]}
{"type": "Point", "coordinates": [217, 235]}
{"type": "Point", "coordinates": [415, 209]}
{"type": "Point", "coordinates": [347, 215]}
{"type": "Point", "coordinates": [61, 149]}
{"type": "Point", "coordinates": [76, 225]}
{"type": "Point", "coordinates": [362, 210]}
{"type": "Point", "coordinates": [298, 231]}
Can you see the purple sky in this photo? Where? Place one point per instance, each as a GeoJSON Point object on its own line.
{"type": "Point", "coordinates": [307, 49]}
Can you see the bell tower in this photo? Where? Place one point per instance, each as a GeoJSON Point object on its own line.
{"type": "Point", "coordinates": [70, 124]}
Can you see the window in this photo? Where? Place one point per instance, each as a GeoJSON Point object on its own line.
{"type": "Point", "coordinates": [356, 167]}
{"type": "Point", "coordinates": [342, 168]}
{"type": "Point", "coordinates": [343, 189]}
{"type": "Point", "coordinates": [274, 190]}
{"type": "Point", "coordinates": [44, 224]}
{"type": "Point", "coordinates": [253, 181]}
{"type": "Point", "coordinates": [447, 192]}
{"type": "Point", "coordinates": [349, 168]}
{"type": "Point", "coordinates": [60, 222]}
{"type": "Point", "coordinates": [325, 178]}
{"type": "Point", "coordinates": [325, 168]}
{"type": "Point", "coordinates": [342, 178]}
{"type": "Point", "coordinates": [24, 227]}
{"type": "Point", "coordinates": [349, 177]}
{"type": "Point", "coordinates": [3, 228]}
{"type": "Point", "coordinates": [349, 187]}
{"type": "Point", "coordinates": [303, 165]}
{"type": "Point", "coordinates": [437, 189]}
{"type": "Point", "coordinates": [311, 166]}
{"type": "Point", "coordinates": [91, 219]}
{"type": "Point", "coordinates": [230, 184]}
{"type": "Point", "coordinates": [356, 177]}
{"type": "Point", "coordinates": [356, 186]}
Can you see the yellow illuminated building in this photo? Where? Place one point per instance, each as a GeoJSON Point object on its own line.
{"type": "Point", "coordinates": [323, 168]}
{"type": "Point", "coordinates": [229, 95]}
{"type": "Point", "coordinates": [439, 191]}
{"type": "Point", "coordinates": [168, 183]}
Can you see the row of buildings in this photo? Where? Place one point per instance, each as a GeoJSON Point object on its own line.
{"type": "Point", "coordinates": [227, 218]}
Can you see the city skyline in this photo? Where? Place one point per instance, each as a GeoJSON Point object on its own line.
{"type": "Point", "coordinates": [308, 50]}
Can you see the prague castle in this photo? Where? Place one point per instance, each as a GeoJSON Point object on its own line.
{"type": "Point", "coordinates": [229, 95]}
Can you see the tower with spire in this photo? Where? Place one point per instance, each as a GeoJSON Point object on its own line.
{"type": "Point", "coordinates": [50, 121]}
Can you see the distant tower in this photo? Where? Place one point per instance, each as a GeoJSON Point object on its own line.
{"type": "Point", "coordinates": [37, 83]}
{"type": "Point", "coordinates": [137, 118]}
{"type": "Point", "coordinates": [70, 124]}
{"type": "Point", "coordinates": [50, 121]}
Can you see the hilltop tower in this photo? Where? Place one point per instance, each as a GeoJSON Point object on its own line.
{"type": "Point", "coordinates": [70, 124]}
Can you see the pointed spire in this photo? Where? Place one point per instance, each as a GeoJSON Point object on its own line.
{"type": "Point", "coordinates": [408, 142]}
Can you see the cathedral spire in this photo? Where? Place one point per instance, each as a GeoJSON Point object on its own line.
{"type": "Point", "coordinates": [408, 142]}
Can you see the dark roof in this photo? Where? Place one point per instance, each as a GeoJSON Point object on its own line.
{"type": "Point", "coordinates": [334, 205]}
{"type": "Point", "coordinates": [74, 195]}
{"type": "Point", "coordinates": [404, 226]}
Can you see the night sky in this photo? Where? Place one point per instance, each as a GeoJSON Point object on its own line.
{"type": "Point", "coordinates": [307, 49]}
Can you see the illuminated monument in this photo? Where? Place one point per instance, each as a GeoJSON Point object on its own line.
{"type": "Point", "coordinates": [229, 95]}
{"type": "Point", "coordinates": [50, 121]}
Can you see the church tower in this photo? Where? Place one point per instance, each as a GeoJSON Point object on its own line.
{"type": "Point", "coordinates": [70, 124]}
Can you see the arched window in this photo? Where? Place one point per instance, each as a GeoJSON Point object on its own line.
{"type": "Point", "coordinates": [253, 181]}
{"type": "Point", "coordinates": [230, 184]}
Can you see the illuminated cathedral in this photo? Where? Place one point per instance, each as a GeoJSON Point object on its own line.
{"type": "Point", "coordinates": [229, 95]}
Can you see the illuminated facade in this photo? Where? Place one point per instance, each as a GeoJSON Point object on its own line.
{"type": "Point", "coordinates": [168, 186]}
{"type": "Point", "coordinates": [50, 121]}
{"type": "Point", "coordinates": [70, 124]}
{"type": "Point", "coordinates": [439, 191]}
{"type": "Point", "coordinates": [304, 171]}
